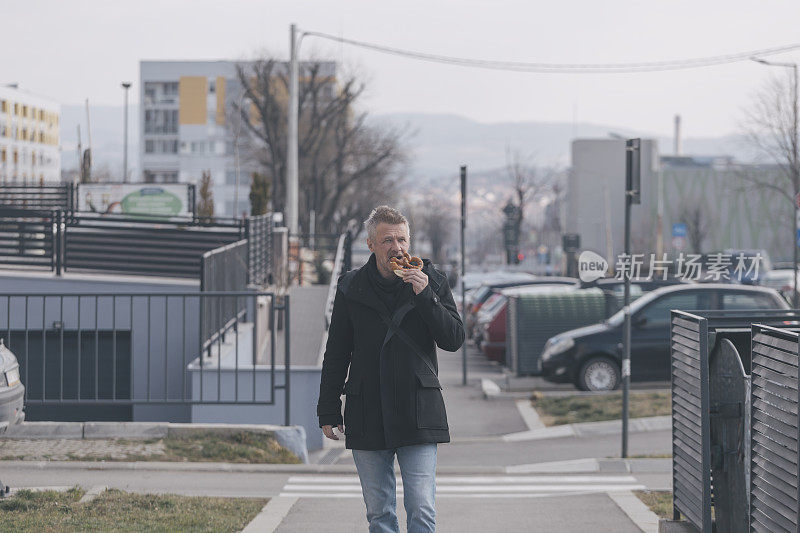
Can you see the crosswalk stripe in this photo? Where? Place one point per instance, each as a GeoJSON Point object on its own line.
{"type": "Point", "coordinates": [476, 479]}
{"type": "Point", "coordinates": [349, 486]}
{"type": "Point", "coordinates": [476, 488]}
{"type": "Point", "coordinates": [482, 495]}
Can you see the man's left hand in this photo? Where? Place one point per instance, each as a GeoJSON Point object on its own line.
{"type": "Point", "coordinates": [417, 278]}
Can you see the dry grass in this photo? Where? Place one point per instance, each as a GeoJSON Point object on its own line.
{"type": "Point", "coordinates": [558, 410]}
{"type": "Point", "coordinates": [34, 511]}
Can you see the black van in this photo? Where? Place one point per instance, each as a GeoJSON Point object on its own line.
{"type": "Point", "coordinates": [590, 356]}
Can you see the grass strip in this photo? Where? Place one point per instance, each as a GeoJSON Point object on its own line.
{"type": "Point", "coordinates": [659, 501]}
{"type": "Point", "coordinates": [558, 410]}
{"type": "Point", "coordinates": [235, 447]}
{"type": "Point", "coordinates": [114, 510]}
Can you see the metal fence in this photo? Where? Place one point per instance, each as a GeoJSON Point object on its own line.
{"type": "Point", "coordinates": [222, 270]}
{"type": "Point", "coordinates": [60, 241]}
{"type": "Point", "coordinates": [46, 197]}
{"type": "Point", "coordinates": [98, 356]}
{"type": "Point", "coordinates": [691, 448]}
{"type": "Point", "coordinates": [30, 238]}
{"type": "Point", "coordinates": [140, 246]}
{"type": "Point", "coordinates": [258, 232]}
{"type": "Point", "coordinates": [711, 362]}
{"type": "Point", "coordinates": [774, 463]}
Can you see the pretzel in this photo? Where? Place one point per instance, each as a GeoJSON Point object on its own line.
{"type": "Point", "coordinates": [408, 262]}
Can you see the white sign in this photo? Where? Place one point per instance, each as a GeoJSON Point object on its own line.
{"type": "Point", "coordinates": [591, 266]}
{"type": "Point", "coordinates": [168, 200]}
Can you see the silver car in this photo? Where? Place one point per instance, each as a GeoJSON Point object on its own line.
{"type": "Point", "coordinates": [11, 390]}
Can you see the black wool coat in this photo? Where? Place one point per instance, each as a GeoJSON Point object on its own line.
{"type": "Point", "coordinates": [393, 398]}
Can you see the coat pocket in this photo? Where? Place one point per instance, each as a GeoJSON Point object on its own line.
{"type": "Point", "coordinates": [354, 408]}
{"type": "Point", "coordinates": [430, 404]}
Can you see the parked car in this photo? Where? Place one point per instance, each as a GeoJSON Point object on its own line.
{"type": "Point", "coordinates": [779, 279]}
{"type": "Point", "coordinates": [11, 390]}
{"type": "Point", "coordinates": [491, 333]}
{"type": "Point", "coordinates": [491, 330]}
{"type": "Point", "coordinates": [488, 288]}
{"type": "Point", "coordinates": [590, 356]}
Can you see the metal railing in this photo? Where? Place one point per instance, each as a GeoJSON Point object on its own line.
{"type": "Point", "coordinates": [46, 197]}
{"type": "Point", "coordinates": [222, 270]}
{"type": "Point", "coordinates": [258, 232]}
{"type": "Point", "coordinates": [141, 246]}
{"type": "Point", "coordinates": [99, 351]}
{"type": "Point", "coordinates": [29, 238]}
{"type": "Point", "coordinates": [61, 241]}
{"type": "Point", "coordinates": [341, 264]}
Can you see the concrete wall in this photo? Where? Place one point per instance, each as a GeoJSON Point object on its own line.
{"type": "Point", "coordinates": [304, 393]}
{"type": "Point", "coordinates": [173, 337]}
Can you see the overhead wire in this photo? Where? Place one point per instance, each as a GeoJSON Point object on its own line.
{"type": "Point", "coordinates": [564, 68]}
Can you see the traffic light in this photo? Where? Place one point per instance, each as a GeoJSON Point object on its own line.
{"type": "Point", "coordinates": [520, 257]}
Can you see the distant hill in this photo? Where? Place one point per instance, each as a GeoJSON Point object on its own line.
{"type": "Point", "coordinates": [439, 143]}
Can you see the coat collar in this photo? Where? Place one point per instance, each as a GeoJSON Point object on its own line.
{"type": "Point", "coordinates": [356, 286]}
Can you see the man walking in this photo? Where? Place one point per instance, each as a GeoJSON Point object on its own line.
{"type": "Point", "coordinates": [383, 336]}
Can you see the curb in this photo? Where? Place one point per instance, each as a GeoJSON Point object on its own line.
{"type": "Point", "coordinates": [293, 438]}
{"type": "Point", "coordinates": [616, 466]}
{"type": "Point", "coordinates": [590, 429]}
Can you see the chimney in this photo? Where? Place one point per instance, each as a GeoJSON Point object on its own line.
{"type": "Point", "coordinates": [678, 148]}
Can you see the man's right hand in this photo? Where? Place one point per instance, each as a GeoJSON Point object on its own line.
{"type": "Point", "coordinates": [328, 431]}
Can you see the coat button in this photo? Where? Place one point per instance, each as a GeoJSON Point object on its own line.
{"type": "Point", "coordinates": [436, 299]}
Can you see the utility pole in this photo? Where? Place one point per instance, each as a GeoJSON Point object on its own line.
{"type": "Point", "coordinates": [125, 85]}
{"type": "Point", "coordinates": [463, 255]}
{"type": "Point", "coordinates": [291, 144]}
{"type": "Point", "coordinates": [633, 152]}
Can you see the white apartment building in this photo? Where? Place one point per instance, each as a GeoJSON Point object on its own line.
{"type": "Point", "coordinates": [29, 138]}
{"type": "Point", "coordinates": [185, 128]}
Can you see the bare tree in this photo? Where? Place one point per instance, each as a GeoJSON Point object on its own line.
{"type": "Point", "coordinates": [770, 126]}
{"type": "Point", "coordinates": [346, 165]}
{"type": "Point", "coordinates": [435, 218]}
{"type": "Point", "coordinates": [696, 218]}
{"type": "Point", "coordinates": [527, 183]}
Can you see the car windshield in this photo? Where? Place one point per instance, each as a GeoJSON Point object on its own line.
{"type": "Point", "coordinates": [493, 305]}
{"type": "Point", "coordinates": [617, 318]}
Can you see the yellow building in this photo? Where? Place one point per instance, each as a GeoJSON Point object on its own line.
{"type": "Point", "coordinates": [29, 138]}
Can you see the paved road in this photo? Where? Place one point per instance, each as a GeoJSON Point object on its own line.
{"type": "Point", "coordinates": [471, 500]}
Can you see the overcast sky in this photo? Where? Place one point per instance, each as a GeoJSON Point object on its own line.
{"type": "Point", "coordinates": [71, 50]}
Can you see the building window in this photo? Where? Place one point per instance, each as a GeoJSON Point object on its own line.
{"type": "Point", "coordinates": [161, 121]}
{"type": "Point", "coordinates": [148, 147]}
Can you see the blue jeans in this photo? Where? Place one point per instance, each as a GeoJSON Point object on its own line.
{"type": "Point", "coordinates": [418, 470]}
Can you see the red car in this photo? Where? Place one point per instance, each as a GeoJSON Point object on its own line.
{"type": "Point", "coordinates": [492, 319]}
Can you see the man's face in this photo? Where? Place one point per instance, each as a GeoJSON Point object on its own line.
{"type": "Point", "coordinates": [391, 240]}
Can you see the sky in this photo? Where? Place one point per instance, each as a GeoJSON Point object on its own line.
{"type": "Point", "coordinates": [70, 51]}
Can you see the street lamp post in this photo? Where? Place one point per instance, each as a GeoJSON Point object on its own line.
{"type": "Point", "coordinates": [125, 85]}
{"type": "Point", "coordinates": [795, 169]}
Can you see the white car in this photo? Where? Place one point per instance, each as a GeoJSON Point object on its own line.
{"type": "Point", "coordinates": [12, 392]}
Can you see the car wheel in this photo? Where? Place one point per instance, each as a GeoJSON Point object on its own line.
{"type": "Point", "coordinates": [598, 374]}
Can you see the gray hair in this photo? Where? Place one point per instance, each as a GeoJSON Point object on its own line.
{"type": "Point", "coordinates": [385, 214]}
